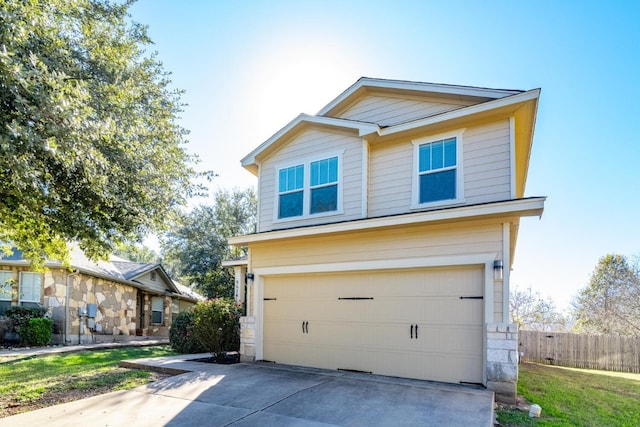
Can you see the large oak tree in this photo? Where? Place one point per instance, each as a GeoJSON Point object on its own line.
{"type": "Point", "coordinates": [90, 147]}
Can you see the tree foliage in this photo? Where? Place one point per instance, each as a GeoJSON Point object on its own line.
{"type": "Point", "coordinates": [610, 303]}
{"type": "Point", "coordinates": [194, 249]}
{"type": "Point", "coordinates": [530, 311]}
{"type": "Point", "coordinates": [137, 253]}
{"type": "Point", "coordinates": [90, 148]}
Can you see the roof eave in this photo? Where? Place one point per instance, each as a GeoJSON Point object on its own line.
{"type": "Point", "coordinates": [510, 101]}
{"type": "Point", "coordinates": [438, 88]}
{"type": "Point", "coordinates": [250, 161]}
{"type": "Point", "coordinates": [519, 207]}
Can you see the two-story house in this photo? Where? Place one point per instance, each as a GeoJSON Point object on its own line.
{"type": "Point", "coordinates": [387, 226]}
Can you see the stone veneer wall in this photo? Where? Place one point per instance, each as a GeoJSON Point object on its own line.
{"type": "Point", "coordinates": [502, 360]}
{"type": "Point", "coordinates": [247, 339]}
{"type": "Point", "coordinates": [117, 306]}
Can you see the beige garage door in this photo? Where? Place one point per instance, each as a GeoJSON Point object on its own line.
{"type": "Point", "coordinates": [419, 323]}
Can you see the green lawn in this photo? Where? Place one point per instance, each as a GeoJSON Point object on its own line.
{"type": "Point", "coordinates": [576, 397]}
{"type": "Point", "coordinates": [35, 382]}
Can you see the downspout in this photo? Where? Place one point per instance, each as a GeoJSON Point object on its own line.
{"type": "Point", "coordinates": [66, 311]}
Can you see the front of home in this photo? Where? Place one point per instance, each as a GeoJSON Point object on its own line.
{"type": "Point", "coordinates": [386, 233]}
{"type": "Point", "coordinates": [102, 301]}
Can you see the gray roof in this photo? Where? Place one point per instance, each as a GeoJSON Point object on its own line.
{"type": "Point", "coordinates": [117, 269]}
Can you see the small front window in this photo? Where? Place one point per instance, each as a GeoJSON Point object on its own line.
{"type": "Point", "coordinates": [437, 170]}
{"type": "Point", "coordinates": [6, 284]}
{"type": "Point", "coordinates": [157, 308]}
{"type": "Point", "coordinates": [30, 286]}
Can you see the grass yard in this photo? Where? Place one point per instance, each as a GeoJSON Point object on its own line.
{"type": "Point", "coordinates": [37, 382]}
{"type": "Point", "coordinates": [576, 397]}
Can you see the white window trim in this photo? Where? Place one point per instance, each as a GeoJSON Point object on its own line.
{"type": "Point", "coordinates": [160, 311]}
{"type": "Point", "coordinates": [415, 187]}
{"type": "Point", "coordinates": [10, 274]}
{"type": "Point", "coordinates": [20, 298]}
{"type": "Point", "coordinates": [306, 189]}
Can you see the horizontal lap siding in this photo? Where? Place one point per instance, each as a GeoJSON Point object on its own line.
{"type": "Point", "coordinates": [487, 172]}
{"type": "Point", "coordinates": [408, 242]}
{"type": "Point", "coordinates": [486, 166]}
{"type": "Point", "coordinates": [387, 110]}
{"type": "Point", "coordinates": [313, 144]}
{"type": "Point", "coordinates": [390, 179]}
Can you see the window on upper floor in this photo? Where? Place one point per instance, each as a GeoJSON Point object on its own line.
{"type": "Point", "coordinates": [438, 171]}
{"type": "Point", "coordinates": [30, 287]}
{"type": "Point", "coordinates": [324, 186]}
{"type": "Point", "coordinates": [290, 191]}
{"type": "Point", "coordinates": [310, 188]}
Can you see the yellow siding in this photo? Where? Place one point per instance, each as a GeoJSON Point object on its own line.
{"type": "Point", "coordinates": [313, 144]}
{"type": "Point", "coordinates": [468, 238]}
{"type": "Point", "coordinates": [486, 163]}
{"type": "Point", "coordinates": [486, 168]}
{"type": "Point", "coordinates": [387, 110]}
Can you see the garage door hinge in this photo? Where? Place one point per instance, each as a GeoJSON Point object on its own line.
{"type": "Point", "coordinates": [479, 297]}
{"type": "Point", "coordinates": [355, 298]}
{"type": "Point", "coordinates": [270, 299]}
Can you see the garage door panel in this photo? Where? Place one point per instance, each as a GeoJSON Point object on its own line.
{"type": "Point", "coordinates": [374, 334]}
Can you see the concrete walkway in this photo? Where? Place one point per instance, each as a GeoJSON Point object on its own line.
{"type": "Point", "coordinates": [257, 394]}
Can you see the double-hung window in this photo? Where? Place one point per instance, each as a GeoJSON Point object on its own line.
{"type": "Point", "coordinates": [157, 310]}
{"type": "Point", "coordinates": [6, 284]}
{"type": "Point", "coordinates": [309, 188]}
{"type": "Point", "coordinates": [324, 186]}
{"type": "Point", "coordinates": [30, 286]}
{"type": "Point", "coordinates": [438, 171]}
{"type": "Point", "coordinates": [290, 191]}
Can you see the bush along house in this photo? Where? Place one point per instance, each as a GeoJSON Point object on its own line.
{"type": "Point", "coordinates": [387, 226]}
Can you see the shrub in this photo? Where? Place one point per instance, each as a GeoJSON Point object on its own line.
{"type": "Point", "coordinates": [21, 315]}
{"type": "Point", "coordinates": [217, 325]}
{"type": "Point", "coordinates": [37, 332]}
{"type": "Point", "coordinates": [181, 335]}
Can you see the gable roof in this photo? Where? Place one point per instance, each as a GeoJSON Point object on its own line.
{"type": "Point", "coordinates": [116, 269]}
{"type": "Point", "coordinates": [298, 124]}
{"type": "Point", "coordinates": [479, 103]}
{"type": "Point", "coordinates": [367, 84]}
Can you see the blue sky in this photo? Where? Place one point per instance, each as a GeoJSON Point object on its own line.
{"type": "Point", "coordinates": [249, 67]}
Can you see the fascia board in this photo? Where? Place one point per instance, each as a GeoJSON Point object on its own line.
{"type": "Point", "coordinates": [463, 112]}
{"type": "Point", "coordinates": [235, 262]}
{"type": "Point", "coordinates": [419, 87]}
{"type": "Point", "coordinates": [363, 129]}
{"type": "Point", "coordinates": [520, 207]}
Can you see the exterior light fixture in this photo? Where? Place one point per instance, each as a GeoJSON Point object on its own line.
{"type": "Point", "coordinates": [497, 269]}
{"type": "Point", "coordinates": [250, 276]}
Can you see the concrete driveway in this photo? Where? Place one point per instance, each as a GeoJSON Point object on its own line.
{"type": "Point", "coordinates": [256, 394]}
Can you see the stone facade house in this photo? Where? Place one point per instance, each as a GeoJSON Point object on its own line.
{"type": "Point", "coordinates": [102, 301]}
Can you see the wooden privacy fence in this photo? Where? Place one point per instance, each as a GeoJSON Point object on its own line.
{"type": "Point", "coordinates": [606, 352]}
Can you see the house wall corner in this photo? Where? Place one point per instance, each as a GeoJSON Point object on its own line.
{"type": "Point", "coordinates": [502, 360]}
{"type": "Point", "coordinates": [247, 339]}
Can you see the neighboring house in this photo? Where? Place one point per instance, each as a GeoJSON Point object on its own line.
{"type": "Point", "coordinates": [387, 226]}
{"type": "Point", "coordinates": [107, 300]}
